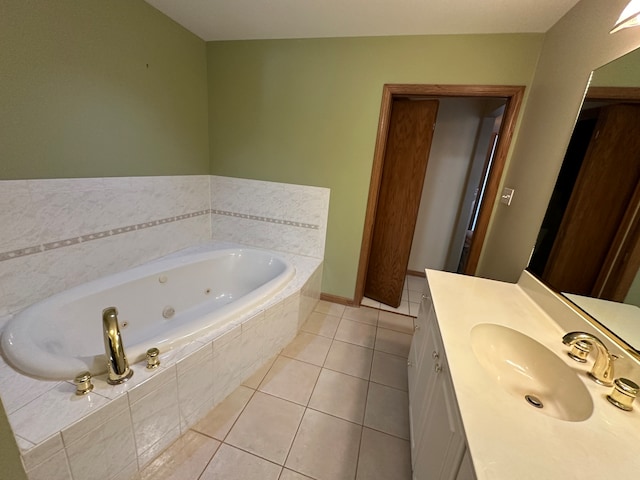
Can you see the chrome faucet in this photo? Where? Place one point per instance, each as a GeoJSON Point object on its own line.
{"type": "Point", "coordinates": [602, 370]}
{"type": "Point", "coordinates": [117, 364]}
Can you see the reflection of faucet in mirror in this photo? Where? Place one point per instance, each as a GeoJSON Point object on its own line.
{"type": "Point", "coordinates": [589, 242]}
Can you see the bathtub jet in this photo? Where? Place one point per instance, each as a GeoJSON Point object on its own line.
{"type": "Point", "coordinates": [61, 335]}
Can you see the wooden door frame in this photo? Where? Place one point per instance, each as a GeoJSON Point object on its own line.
{"type": "Point", "coordinates": [513, 96]}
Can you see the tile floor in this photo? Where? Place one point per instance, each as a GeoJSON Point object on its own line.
{"type": "Point", "coordinates": [411, 296]}
{"type": "Point", "coordinates": [332, 405]}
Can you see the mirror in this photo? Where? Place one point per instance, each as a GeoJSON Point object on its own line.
{"type": "Point", "coordinates": [588, 247]}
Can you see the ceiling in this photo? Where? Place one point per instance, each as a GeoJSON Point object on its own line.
{"type": "Point", "coordinates": [261, 19]}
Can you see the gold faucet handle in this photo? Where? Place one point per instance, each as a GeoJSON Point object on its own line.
{"type": "Point", "coordinates": [580, 351]}
{"type": "Point", "coordinates": [153, 361]}
{"type": "Point", "coordinates": [623, 394]}
{"type": "Point", "coordinates": [83, 383]}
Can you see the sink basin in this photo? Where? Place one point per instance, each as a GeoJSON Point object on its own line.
{"type": "Point", "coordinates": [531, 372]}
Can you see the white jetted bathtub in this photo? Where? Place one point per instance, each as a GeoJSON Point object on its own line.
{"type": "Point", "coordinates": [163, 304]}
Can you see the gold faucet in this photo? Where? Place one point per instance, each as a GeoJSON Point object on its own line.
{"type": "Point", "coordinates": [117, 364]}
{"type": "Point", "coordinates": [602, 370]}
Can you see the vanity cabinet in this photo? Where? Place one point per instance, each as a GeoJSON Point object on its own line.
{"type": "Point", "coordinates": [438, 445]}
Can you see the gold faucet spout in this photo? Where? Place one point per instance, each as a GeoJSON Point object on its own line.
{"type": "Point", "coordinates": [117, 364]}
{"type": "Point", "coordinates": [602, 370]}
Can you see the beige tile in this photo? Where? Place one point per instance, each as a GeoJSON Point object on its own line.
{"type": "Point", "coordinates": [291, 475]}
{"type": "Point", "coordinates": [361, 314]}
{"type": "Point", "coordinates": [309, 348]}
{"type": "Point", "coordinates": [387, 410]}
{"type": "Point", "coordinates": [55, 467]}
{"type": "Point", "coordinates": [414, 309]}
{"type": "Point", "coordinates": [390, 370]}
{"type": "Point", "coordinates": [395, 321]}
{"type": "Point", "coordinates": [325, 448]}
{"type": "Point", "coordinates": [402, 309]}
{"type": "Point", "coordinates": [340, 395]}
{"type": "Point", "coordinates": [321, 324]}
{"type": "Point", "coordinates": [127, 473]}
{"type": "Point", "coordinates": [254, 380]}
{"type": "Point", "coordinates": [104, 450]}
{"type": "Point", "coordinates": [195, 386]}
{"type": "Point", "coordinates": [291, 379]}
{"type": "Point", "coordinates": [219, 421]}
{"type": "Point", "coordinates": [383, 457]}
{"type": "Point", "coordinates": [229, 463]}
{"type": "Point", "coordinates": [367, 302]}
{"type": "Point", "coordinates": [390, 341]}
{"type": "Point", "coordinates": [146, 457]}
{"type": "Point", "coordinates": [36, 455]}
{"type": "Point", "coordinates": [266, 427]}
{"type": "Point", "coordinates": [415, 284]}
{"type": "Point", "coordinates": [330, 308]}
{"type": "Point", "coordinates": [350, 359]}
{"type": "Point", "coordinates": [155, 416]}
{"type": "Point", "coordinates": [356, 332]}
{"type": "Point", "coordinates": [415, 297]}
{"type": "Point", "coordinates": [185, 459]}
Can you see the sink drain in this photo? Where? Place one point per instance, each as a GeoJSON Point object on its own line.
{"type": "Point", "coordinates": [534, 401]}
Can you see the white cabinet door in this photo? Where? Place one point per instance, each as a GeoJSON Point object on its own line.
{"type": "Point", "coordinates": [422, 357]}
{"type": "Point", "coordinates": [466, 471]}
{"type": "Point", "coordinates": [441, 445]}
{"type": "Point", "coordinates": [437, 436]}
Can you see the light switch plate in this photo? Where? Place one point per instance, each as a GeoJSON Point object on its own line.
{"type": "Point", "coordinates": [507, 195]}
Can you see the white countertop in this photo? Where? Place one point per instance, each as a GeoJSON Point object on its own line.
{"type": "Point", "coordinates": [621, 318]}
{"type": "Point", "coordinates": [508, 439]}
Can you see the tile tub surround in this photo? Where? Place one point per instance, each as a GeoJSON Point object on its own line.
{"type": "Point", "coordinates": [59, 233]}
{"type": "Point", "coordinates": [333, 425]}
{"type": "Point", "coordinates": [276, 216]}
{"type": "Point", "coordinates": [61, 435]}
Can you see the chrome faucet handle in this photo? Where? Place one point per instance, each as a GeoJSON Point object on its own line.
{"type": "Point", "coordinates": [602, 370]}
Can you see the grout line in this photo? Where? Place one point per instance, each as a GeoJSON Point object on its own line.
{"type": "Point", "coordinates": [306, 406]}
{"type": "Point", "coordinates": [250, 453]}
{"type": "Point", "coordinates": [389, 386]}
{"type": "Point", "coordinates": [234, 422]}
{"type": "Point", "coordinates": [213, 455]}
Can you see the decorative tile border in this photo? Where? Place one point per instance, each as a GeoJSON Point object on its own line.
{"type": "Point", "coordinates": [267, 219]}
{"type": "Point", "coordinates": [22, 252]}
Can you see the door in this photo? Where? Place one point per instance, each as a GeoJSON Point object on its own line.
{"type": "Point", "coordinates": [390, 92]}
{"type": "Point", "coordinates": [405, 163]}
{"type": "Point", "coordinates": [602, 194]}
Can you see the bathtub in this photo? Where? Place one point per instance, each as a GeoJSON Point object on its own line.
{"type": "Point", "coordinates": [164, 304]}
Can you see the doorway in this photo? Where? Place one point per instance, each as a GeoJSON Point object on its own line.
{"type": "Point", "coordinates": [512, 96]}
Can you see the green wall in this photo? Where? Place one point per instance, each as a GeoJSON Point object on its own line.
{"type": "Point", "coordinates": [99, 88]}
{"type": "Point", "coordinates": [306, 112]}
{"type": "Point", "coordinates": [622, 72]}
{"type": "Point", "coordinates": [10, 464]}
